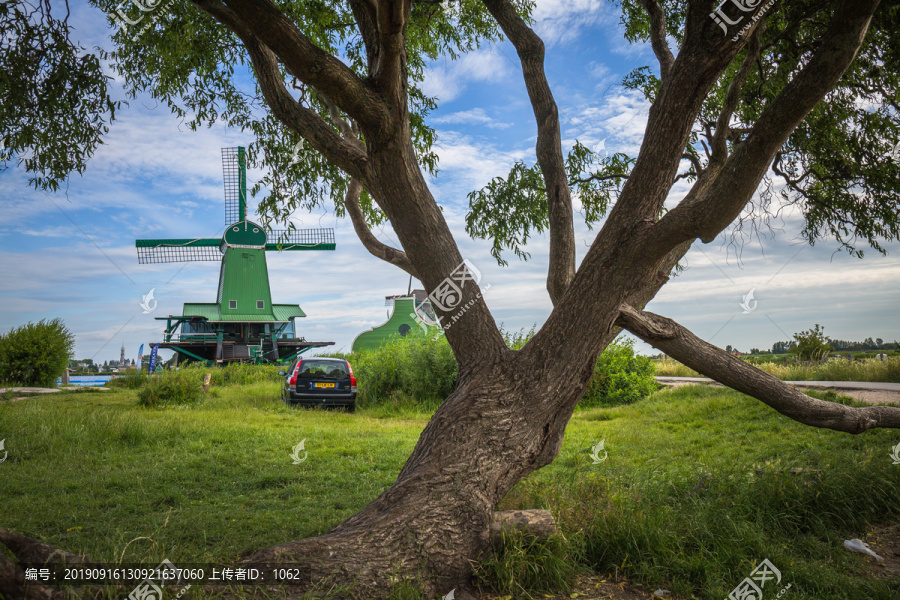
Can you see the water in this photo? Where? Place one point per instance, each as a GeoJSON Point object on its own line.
{"type": "Point", "coordinates": [87, 380]}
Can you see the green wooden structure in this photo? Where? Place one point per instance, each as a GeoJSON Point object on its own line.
{"type": "Point", "coordinates": [412, 315]}
{"type": "Point", "coordinates": [243, 324]}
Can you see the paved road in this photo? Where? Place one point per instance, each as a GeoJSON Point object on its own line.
{"type": "Point", "coordinates": [843, 385]}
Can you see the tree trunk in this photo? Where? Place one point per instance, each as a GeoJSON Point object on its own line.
{"type": "Point", "coordinates": [497, 427]}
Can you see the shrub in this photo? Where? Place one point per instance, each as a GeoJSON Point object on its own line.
{"type": "Point", "coordinates": [812, 344]}
{"type": "Point", "coordinates": [167, 388]}
{"type": "Point", "coordinates": [35, 354]}
{"type": "Point", "coordinates": [131, 380]}
{"type": "Point", "coordinates": [620, 376]}
{"type": "Point", "coordinates": [404, 369]}
{"type": "Point", "coordinates": [418, 371]}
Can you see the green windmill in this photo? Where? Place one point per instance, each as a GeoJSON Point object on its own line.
{"type": "Point", "coordinates": [242, 324]}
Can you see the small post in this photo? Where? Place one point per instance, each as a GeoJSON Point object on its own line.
{"type": "Point", "coordinates": [206, 379]}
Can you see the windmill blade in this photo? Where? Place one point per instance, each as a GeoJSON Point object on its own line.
{"type": "Point", "coordinates": [301, 239]}
{"type": "Point", "coordinates": [234, 168]}
{"type": "Point", "coordinates": [167, 251]}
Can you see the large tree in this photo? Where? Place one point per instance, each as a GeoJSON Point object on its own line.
{"type": "Point", "coordinates": [804, 94]}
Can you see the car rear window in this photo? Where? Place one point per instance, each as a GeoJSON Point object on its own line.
{"type": "Point", "coordinates": [322, 369]}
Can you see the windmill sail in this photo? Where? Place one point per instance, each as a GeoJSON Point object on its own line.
{"type": "Point", "coordinates": [168, 251]}
{"type": "Point", "coordinates": [234, 168]}
{"type": "Point", "coordinates": [301, 239]}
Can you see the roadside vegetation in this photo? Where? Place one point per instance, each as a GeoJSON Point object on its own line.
{"type": "Point", "coordinates": [834, 369]}
{"type": "Point", "coordinates": [408, 375]}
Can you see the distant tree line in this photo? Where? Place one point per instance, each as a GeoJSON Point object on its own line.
{"type": "Point", "coordinates": [837, 346]}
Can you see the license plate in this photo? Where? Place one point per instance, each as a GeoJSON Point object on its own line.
{"type": "Point", "coordinates": [324, 385]}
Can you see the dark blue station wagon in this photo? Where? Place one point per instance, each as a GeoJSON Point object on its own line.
{"type": "Point", "coordinates": [314, 381]}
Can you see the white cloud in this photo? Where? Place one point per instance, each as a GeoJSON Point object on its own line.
{"type": "Point", "coordinates": [447, 80]}
{"type": "Point", "coordinates": [475, 116]}
{"type": "Point", "coordinates": [563, 21]}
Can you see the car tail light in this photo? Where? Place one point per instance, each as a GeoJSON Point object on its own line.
{"type": "Point", "coordinates": [352, 378]}
{"type": "Point", "coordinates": [293, 379]}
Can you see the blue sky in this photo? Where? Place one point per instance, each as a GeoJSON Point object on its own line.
{"type": "Point", "coordinates": [71, 254]}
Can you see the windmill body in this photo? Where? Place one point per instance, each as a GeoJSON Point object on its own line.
{"type": "Point", "coordinates": [242, 324]}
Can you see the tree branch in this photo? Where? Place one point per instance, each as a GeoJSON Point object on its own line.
{"type": "Point", "coordinates": [364, 13]}
{"type": "Point", "coordinates": [346, 155]}
{"type": "Point", "coordinates": [548, 148]}
{"type": "Point", "coordinates": [389, 69]}
{"type": "Point", "coordinates": [26, 550]}
{"type": "Point", "coordinates": [679, 343]}
{"type": "Point", "coordinates": [733, 96]}
{"type": "Point", "coordinates": [375, 247]}
{"type": "Point", "coordinates": [658, 37]}
{"type": "Point", "coordinates": [705, 216]}
{"type": "Point", "coordinates": [599, 178]}
{"type": "Point", "coordinates": [306, 61]}
{"type": "Point", "coordinates": [369, 241]}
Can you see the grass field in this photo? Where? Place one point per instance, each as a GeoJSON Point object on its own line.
{"type": "Point", "coordinates": [696, 489]}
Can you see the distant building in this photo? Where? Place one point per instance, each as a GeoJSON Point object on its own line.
{"type": "Point", "coordinates": [412, 313]}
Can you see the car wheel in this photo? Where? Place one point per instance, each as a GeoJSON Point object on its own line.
{"type": "Point", "coordinates": [351, 407]}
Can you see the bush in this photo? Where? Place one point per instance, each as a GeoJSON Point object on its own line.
{"type": "Point", "coordinates": [131, 380]}
{"type": "Point", "coordinates": [35, 354]}
{"type": "Point", "coordinates": [416, 371]}
{"type": "Point", "coordinates": [167, 388]}
{"type": "Point", "coordinates": [403, 371]}
{"type": "Point", "coordinates": [620, 376]}
{"type": "Point", "coordinates": [812, 344]}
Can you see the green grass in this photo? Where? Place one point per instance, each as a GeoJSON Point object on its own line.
{"type": "Point", "coordinates": [696, 488]}
{"type": "Point", "coordinates": [92, 473]}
